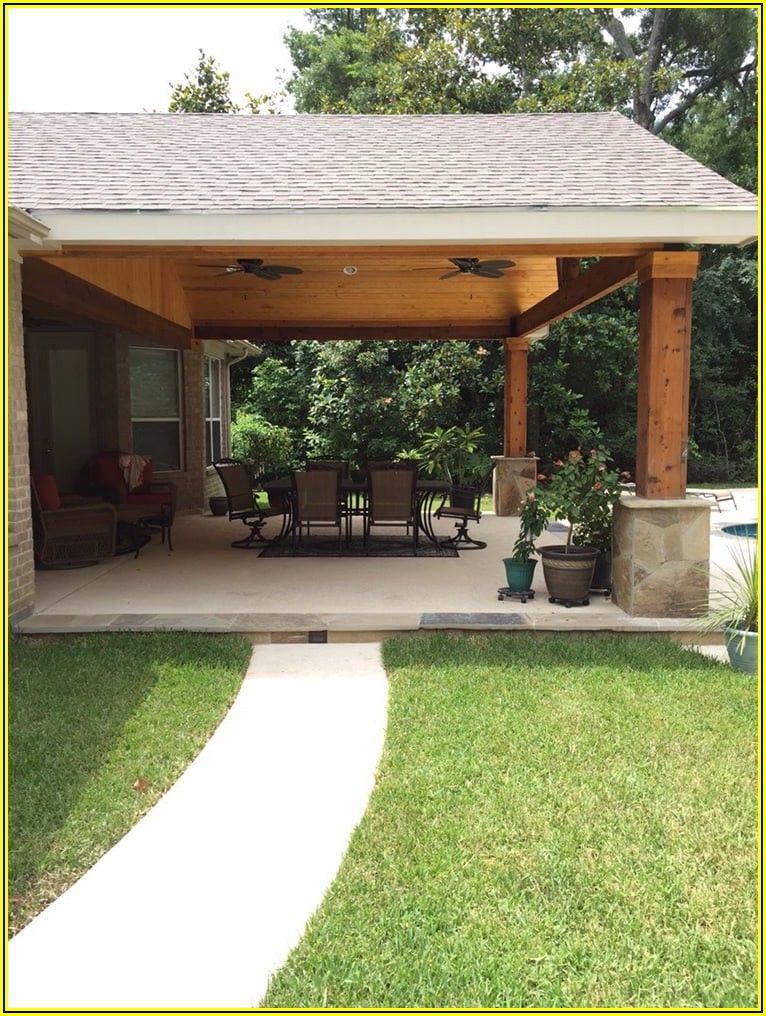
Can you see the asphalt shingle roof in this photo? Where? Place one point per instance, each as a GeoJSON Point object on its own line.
{"type": "Point", "coordinates": [195, 162]}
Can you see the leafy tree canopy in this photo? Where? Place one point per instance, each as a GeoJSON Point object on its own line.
{"type": "Point", "coordinates": [205, 90]}
{"type": "Point", "coordinates": [653, 64]}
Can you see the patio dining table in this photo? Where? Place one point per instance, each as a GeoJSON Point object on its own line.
{"type": "Point", "coordinates": [355, 493]}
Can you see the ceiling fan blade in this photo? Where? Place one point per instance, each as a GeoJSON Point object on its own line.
{"type": "Point", "coordinates": [487, 275]}
{"type": "Point", "coordinates": [264, 273]}
{"type": "Point", "coordinates": [283, 269]}
{"type": "Point", "coordinates": [450, 275]}
{"type": "Point", "coordinates": [494, 265]}
{"type": "Point", "coordinates": [230, 271]}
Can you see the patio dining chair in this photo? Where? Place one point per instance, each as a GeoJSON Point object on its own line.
{"type": "Point", "coordinates": [464, 507]}
{"type": "Point", "coordinates": [242, 505]}
{"type": "Point", "coordinates": [392, 500]}
{"type": "Point", "coordinates": [317, 501]}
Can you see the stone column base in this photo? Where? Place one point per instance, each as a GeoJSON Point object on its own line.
{"type": "Point", "coordinates": [661, 556]}
{"type": "Point", "coordinates": [512, 480]}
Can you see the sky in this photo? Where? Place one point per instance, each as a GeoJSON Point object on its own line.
{"type": "Point", "coordinates": [102, 59]}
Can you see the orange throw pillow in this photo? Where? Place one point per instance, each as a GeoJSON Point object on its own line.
{"type": "Point", "coordinates": [47, 491]}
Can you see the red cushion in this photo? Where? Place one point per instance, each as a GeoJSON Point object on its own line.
{"type": "Point", "coordinates": [147, 478]}
{"type": "Point", "coordinates": [47, 491]}
{"type": "Point", "coordinates": [106, 470]}
{"type": "Point", "coordinates": [136, 497]}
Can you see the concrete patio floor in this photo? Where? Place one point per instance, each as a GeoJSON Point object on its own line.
{"type": "Point", "coordinates": [205, 584]}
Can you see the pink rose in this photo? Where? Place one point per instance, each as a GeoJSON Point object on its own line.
{"type": "Point", "coordinates": [597, 485]}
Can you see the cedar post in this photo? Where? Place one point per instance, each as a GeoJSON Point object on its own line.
{"type": "Point", "coordinates": [662, 431]}
{"type": "Point", "coordinates": [515, 417]}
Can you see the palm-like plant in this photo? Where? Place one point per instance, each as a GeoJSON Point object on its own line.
{"type": "Point", "coordinates": [736, 606]}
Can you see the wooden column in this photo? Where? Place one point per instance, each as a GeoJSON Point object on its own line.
{"type": "Point", "coordinates": [665, 280]}
{"type": "Point", "coordinates": [515, 418]}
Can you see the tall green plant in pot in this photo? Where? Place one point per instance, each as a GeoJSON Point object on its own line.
{"type": "Point", "coordinates": [576, 492]}
{"type": "Point", "coordinates": [735, 609]}
{"type": "Point", "coordinates": [520, 567]}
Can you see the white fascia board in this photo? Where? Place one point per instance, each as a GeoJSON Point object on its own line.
{"type": "Point", "coordinates": [408, 226]}
{"type": "Point", "coordinates": [26, 233]}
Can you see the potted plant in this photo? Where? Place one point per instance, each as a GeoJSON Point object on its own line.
{"type": "Point", "coordinates": [452, 453]}
{"type": "Point", "coordinates": [736, 612]}
{"type": "Point", "coordinates": [574, 492]}
{"type": "Point", "coordinates": [596, 515]}
{"type": "Point", "coordinates": [520, 567]}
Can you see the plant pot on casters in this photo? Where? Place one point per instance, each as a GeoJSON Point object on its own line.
{"type": "Point", "coordinates": [520, 568]}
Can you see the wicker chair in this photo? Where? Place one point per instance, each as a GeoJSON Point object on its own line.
{"type": "Point", "coordinates": [471, 512]}
{"type": "Point", "coordinates": [317, 501]}
{"type": "Point", "coordinates": [240, 497]}
{"type": "Point", "coordinates": [392, 500]}
{"type": "Point", "coordinates": [79, 533]}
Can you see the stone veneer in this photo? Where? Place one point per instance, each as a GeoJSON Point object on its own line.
{"type": "Point", "coordinates": [661, 556]}
{"type": "Point", "coordinates": [21, 574]}
{"type": "Point", "coordinates": [511, 482]}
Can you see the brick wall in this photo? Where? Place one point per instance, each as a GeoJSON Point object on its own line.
{"type": "Point", "coordinates": [21, 575]}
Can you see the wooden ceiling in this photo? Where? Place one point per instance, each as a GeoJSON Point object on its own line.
{"type": "Point", "coordinates": [395, 290]}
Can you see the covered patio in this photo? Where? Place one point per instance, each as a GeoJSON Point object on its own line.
{"type": "Point", "coordinates": [581, 204]}
{"type": "Point", "coordinates": [204, 585]}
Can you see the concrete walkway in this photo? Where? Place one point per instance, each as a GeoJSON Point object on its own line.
{"type": "Point", "coordinates": [205, 897]}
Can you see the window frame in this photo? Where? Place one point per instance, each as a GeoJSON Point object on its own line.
{"type": "Point", "coordinates": [179, 420]}
{"type": "Point", "coordinates": [210, 419]}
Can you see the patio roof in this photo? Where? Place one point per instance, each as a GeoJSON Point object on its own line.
{"type": "Point", "coordinates": [417, 179]}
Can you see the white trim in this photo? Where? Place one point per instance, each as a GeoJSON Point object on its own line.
{"type": "Point", "coordinates": [656, 224]}
{"type": "Point", "coordinates": [25, 233]}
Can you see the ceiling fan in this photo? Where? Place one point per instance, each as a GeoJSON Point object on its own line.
{"type": "Point", "coordinates": [491, 269]}
{"type": "Point", "coordinates": [255, 266]}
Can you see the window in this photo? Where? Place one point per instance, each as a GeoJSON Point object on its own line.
{"type": "Point", "coordinates": [155, 405]}
{"type": "Point", "coordinates": [213, 404]}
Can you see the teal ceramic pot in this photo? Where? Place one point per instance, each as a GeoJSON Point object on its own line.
{"type": "Point", "coordinates": [519, 574]}
{"type": "Point", "coordinates": [743, 656]}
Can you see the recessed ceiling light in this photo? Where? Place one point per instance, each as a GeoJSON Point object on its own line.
{"type": "Point", "coordinates": [350, 270]}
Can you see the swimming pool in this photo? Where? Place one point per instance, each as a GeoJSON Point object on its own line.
{"type": "Point", "coordinates": [749, 529]}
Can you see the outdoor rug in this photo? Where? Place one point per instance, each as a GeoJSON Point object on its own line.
{"type": "Point", "coordinates": [381, 546]}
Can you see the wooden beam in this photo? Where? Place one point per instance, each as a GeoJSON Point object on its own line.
{"type": "Point", "coordinates": [587, 287]}
{"type": "Point", "coordinates": [369, 333]}
{"type": "Point", "coordinates": [668, 265]}
{"type": "Point", "coordinates": [51, 286]}
{"type": "Point", "coordinates": [515, 400]}
{"type": "Point", "coordinates": [185, 252]}
{"type": "Point", "coordinates": [567, 269]}
{"type": "Point", "coordinates": [663, 387]}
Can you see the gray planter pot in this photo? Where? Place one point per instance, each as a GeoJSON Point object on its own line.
{"type": "Point", "coordinates": [742, 655]}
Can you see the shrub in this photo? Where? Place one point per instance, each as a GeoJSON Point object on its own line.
{"type": "Point", "coordinates": [267, 450]}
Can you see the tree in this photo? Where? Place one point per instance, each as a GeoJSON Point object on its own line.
{"type": "Point", "coordinates": [654, 64]}
{"type": "Point", "coordinates": [205, 90]}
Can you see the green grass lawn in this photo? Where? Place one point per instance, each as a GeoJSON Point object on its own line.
{"type": "Point", "coordinates": [89, 716]}
{"type": "Point", "coordinates": [558, 822]}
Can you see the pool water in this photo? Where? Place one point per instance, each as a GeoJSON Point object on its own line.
{"type": "Point", "coordinates": [749, 529]}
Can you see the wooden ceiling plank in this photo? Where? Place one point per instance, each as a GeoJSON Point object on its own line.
{"type": "Point", "coordinates": [45, 283]}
